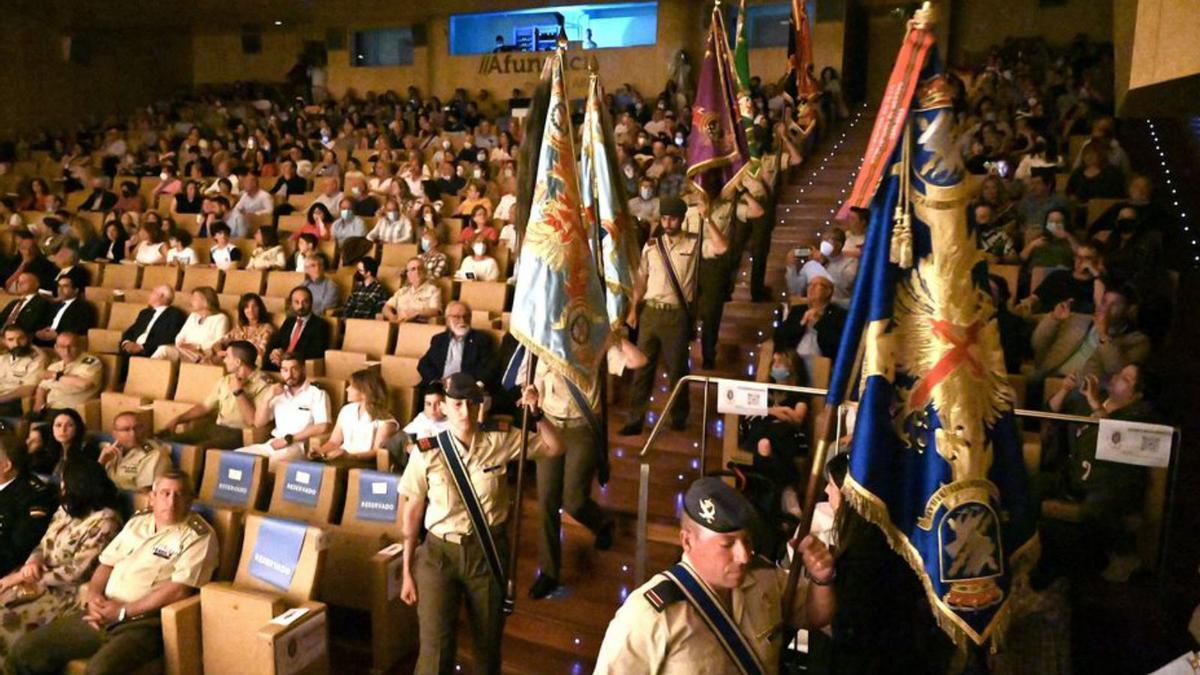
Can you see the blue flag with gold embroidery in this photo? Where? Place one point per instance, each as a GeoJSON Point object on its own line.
{"type": "Point", "coordinates": [558, 304]}
{"type": "Point", "coordinates": [936, 459]}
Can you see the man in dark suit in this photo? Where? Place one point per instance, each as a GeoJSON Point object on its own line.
{"type": "Point", "coordinates": [100, 198]}
{"type": "Point", "coordinates": [72, 314]}
{"type": "Point", "coordinates": [26, 506]}
{"type": "Point", "coordinates": [815, 330]}
{"type": "Point", "coordinates": [303, 332]}
{"type": "Point", "coordinates": [67, 260]}
{"type": "Point", "coordinates": [459, 349]}
{"type": "Point", "coordinates": [31, 310]}
{"type": "Point", "coordinates": [157, 325]}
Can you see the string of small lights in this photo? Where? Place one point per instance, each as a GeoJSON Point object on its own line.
{"type": "Point", "coordinates": [1169, 185]}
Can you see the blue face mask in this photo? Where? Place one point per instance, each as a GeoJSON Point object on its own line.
{"type": "Point", "coordinates": [346, 214]}
{"type": "Point", "coordinates": [780, 373]}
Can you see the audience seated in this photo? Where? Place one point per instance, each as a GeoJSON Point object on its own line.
{"type": "Point", "coordinates": [21, 370]}
{"type": "Point", "coordinates": [302, 333]}
{"type": "Point", "coordinates": [323, 289]}
{"type": "Point", "coordinates": [26, 504]}
{"type": "Point", "coordinates": [436, 262]}
{"type": "Point", "coordinates": [234, 401]}
{"type": "Point", "coordinates": [253, 204]}
{"type": "Point", "coordinates": [253, 326]}
{"type": "Point", "coordinates": [814, 329]}
{"type": "Point", "coordinates": [134, 580]}
{"type": "Point", "coordinates": [417, 300]}
{"type": "Point", "coordinates": [268, 253]}
{"type": "Point", "coordinates": [224, 254]}
{"type": "Point", "coordinates": [1098, 345]}
{"type": "Point", "coordinates": [31, 310]}
{"type": "Point", "coordinates": [132, 459]}
{"type": "Point", "coordinates": [202, 330]}
{"type": "Point", "coordinates": [479, 266]}
{"type": "Point", "coordinates": [364, 425]}
{"type": "Point", "coordinates": [156, 326]}
{"type": "Point", "coordinates": [47, 585]}
{"type": "Point", "coordinates": [299, 410]}
{"type": "Point", "coordinates": [367, 298]}
{"type": "Point", "coordinates": [459, 348]}
{"type": "Point", "coordinates": [71, 381]}
{"type": "Point", "coordinates": [29, 259]}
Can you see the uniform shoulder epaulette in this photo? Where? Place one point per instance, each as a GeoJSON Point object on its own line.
{"type": "Point", "coordinates": [143, 512]}
{"type": "Point", "coordinates": [37, 484]}
{"type": "Point", "coordinates": [426, 444]}
{"type": "Point", "coordinates": [496, 425]}
{"type": "Point", "coordinates": [663, 593]}
{"type": "Point", "coordinates": [89, 360]}
{"type": "Point", "coordinates": [198, 524]}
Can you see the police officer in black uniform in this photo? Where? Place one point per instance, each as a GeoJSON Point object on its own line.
{"type": "Point", "coordinates": [26, 505]}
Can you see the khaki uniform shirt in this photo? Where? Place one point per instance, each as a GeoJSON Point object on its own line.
{"type": "Point", "coordinates": [137, 468]}
{"type": "Point", "coordinates": [677, 641]}
{"type": "Point", "coordinates": [423, 297]}
{"type": "Point", "coordinates": [60, 394]}
{"type": "Point", "coordinates": [143, 556]}
{"type": "Point", "coordinates": [554, 397]}
{"type": "Point", "coordinates": [427, 478]}
{"type": "Point", "coordinates": [21, 371]}
{"type": "Point", "coordinates": [682, 250]}
{"type": "Point", "coordinates": [257, 386]}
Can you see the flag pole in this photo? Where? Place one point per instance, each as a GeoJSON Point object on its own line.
{"type": "Point", "coordinates": [510, 591]}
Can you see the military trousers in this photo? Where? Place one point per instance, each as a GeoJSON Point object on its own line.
{"type": "Point", "coordinates": [662, 332]}
{"type": "Point", "coordinates": [208, 434]}
{"type": "Point", "coordinates": [121, 649]}
{"type": "Point", "coordinates": [565, 482]}
{"type": "Point", "coordinates": [716, 279]}
{"type": "Point", "coordinates": [754, 234]}
{"type": "Point", "coordinates": [447, 574]}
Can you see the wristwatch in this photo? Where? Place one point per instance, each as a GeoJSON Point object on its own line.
{"type": "Point", "coordinates": [289, 438]}
{"type": "Point", "coordinates": [238, 392]}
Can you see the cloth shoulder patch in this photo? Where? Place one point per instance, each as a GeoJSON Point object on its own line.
{"type": "Point", "coordinates": [496, 425]}
{"type": "Point", "coordinates": [664, 593]}
{"type": "Point", "coordinates": [426, 444]}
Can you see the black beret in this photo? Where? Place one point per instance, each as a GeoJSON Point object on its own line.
{"type": "Point", "coordinates": [462, 385]}
{"type": "Point", "coordinates": [672, 206]}
{"type": "Point", "coordinates": [718, 507]}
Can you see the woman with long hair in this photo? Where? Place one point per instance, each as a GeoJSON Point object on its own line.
{"type": "Point", "coordinates": [204, 328]}
{"type": "Point", "coordinates": [67, 440]}
{"type": "Point", "coordinates": [253, 326]}
{"type": "Point", "coordinates": [48, 584]}
{"type": "Point", "coordinates": [364, 424]}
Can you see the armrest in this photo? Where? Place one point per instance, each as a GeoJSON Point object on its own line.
{"type": "Point", "coordinates": [298, 642]}
{"type": "Point", "coordinates": [90, 411]}
{"type": "Point", "coordinates": [383, 460]}
{"type": "Point", "coordinates": [253, 435]}
{"type": "Point", "coordinates": [182, 637]}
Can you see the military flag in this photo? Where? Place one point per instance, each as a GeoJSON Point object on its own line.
{"type": "Point", "coordinates": [558, 305]}
{"type": "Point", "coordinates": [531, 148]}
{"type": "Point", "coordinates": [745, 106]}
{"type": "Point", "coordinates": [716, 151]}
{"type": "Point", "coordinates": [605, 208]}
{"type": "Point", "coordinates": [936, 458]}
{"type": "Point", "coordinates": [800, 51]}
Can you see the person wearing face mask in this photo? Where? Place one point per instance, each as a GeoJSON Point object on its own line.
{"type": "Point", "coordinates": [392, 226]}
{"type": "Point", "coordinates": [645, 204]}
{"type": "Point", "coordinates": [479, 266]}
{"type": "Point", "coordinates": [449, 181]}
{"type": "Point", "coordinates": [662, 306]}
{"type": "Point", "coordinates": [348, 225]}
{"type": "Point", "coordinates": [841, 268]}
{"type": "Point", "coordinates": [480, 227]}
{"type": "Point", "coordinates": [20, 370]}
{"type": "Point", "coordinates": [459, 349]}
{"type": "Point", "coordinates": [367, 298]}
{"type": "Point", "coordinates": [436, 262]}
{"type": "Point", "coordinates": [777, 439]}
{"type": "Point", "coordinates": [660, 628]}
{"type": "Point", "coordinates": [1076, 285]}
{"type": "Point", "coordinates": [1050, 245]}
{"type": "Point", "coordinates": [475, 199]}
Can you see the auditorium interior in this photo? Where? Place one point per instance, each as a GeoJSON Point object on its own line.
{"type": "Point", "coordinates": [343, 336]}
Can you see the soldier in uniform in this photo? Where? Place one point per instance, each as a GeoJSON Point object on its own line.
{"type": "Point", "coordinates": [663, 627]}
{"type": "Point", "coordinates": [162, 555]}
{"type": "Point", "coordinates": [663, 318]}
{"type": "Point", "coordinates": [70, 382]}
{"type": "Point", "coordinates": [26, 505]}
{"type": "Point", "coordinates": [565, 482]}
{"type": "Point", "coordinates": [453, 561]}
{"type": "Point", "coordinates": [20, 370]}
{"type": "Point", "coordinates": [132, 460]}
{"type": "Point", "coordinates": [235, 401]}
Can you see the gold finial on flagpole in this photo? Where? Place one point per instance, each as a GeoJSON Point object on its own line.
{"type": "Point", "coordinates": [926, 17]}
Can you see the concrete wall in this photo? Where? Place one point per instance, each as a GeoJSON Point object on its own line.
{"type": "Point", "coordinates": [123, 70]}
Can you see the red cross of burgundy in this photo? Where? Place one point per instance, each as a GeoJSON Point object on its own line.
{"type": "Point", "coordinates": [961, 340]}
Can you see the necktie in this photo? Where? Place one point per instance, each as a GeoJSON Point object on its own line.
{"type": "Point", "coordinates": [12, 318]}
{"type": "Point", "coordinates": [296, 330]}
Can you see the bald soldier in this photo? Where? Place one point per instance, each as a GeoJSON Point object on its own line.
{"type": "Point", "coordinates": [456, 484]}
{"type": "Point", "coordinates": [132, 460]}
{"type": "Point", "coordinates": [70, 382]}
{"type": "Point", "coordinates": [718, 610]}
{"type": "Point", "coordinates": [161, 556]}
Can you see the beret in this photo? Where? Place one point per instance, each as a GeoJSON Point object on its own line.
{"type": "Point", "coordinates": [718, 507]}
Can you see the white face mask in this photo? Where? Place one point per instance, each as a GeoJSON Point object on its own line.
{"type": "Point", "coordinates": [393, 215]}
{"type": "Point", "coordinates": [647, 193]}
{"type": "Point", "coordinates": [458, 171]}
{"type": "Point", "coordinates": [479, 249]}
{"type": "Point", "coordinates": [826, 249]}
{"type": "Point", "coordinates": [163, 176]}
{"type": "Point", "coordinates": [355, 190]}
{"type": "Point", "coordinates": [478, 173]}
{"type": "Point", "coordinates": [1054, 226]}
{"type": "Point", "coordinates": [428, 217]}
{"type": "Point", "coordinates": [346, 214]}
{"type": "Point", "coordinates": [445, 145]}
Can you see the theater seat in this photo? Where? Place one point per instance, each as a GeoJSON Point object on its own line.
{"type": "Point", "coordinates": [364, 570]}
{"type": "Point", "coordinates": [264, 621]}
{"type": "Point", "coordinates": [146, 380]}
{"type": "Point", "coordinates": [308, 491]}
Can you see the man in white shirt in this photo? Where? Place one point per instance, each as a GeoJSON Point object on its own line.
{"type": "Point", "coordinates": [253, 203]}
{"type": "Point", "coordinates": [842, 268]}
{"type": "Point", "coordinates": [300, 411]}
{"type": "Point", "coordinates": [645, 206]}
{"type": "Point", "coordinates": [331, 196]}
{"type": "Point", "coordinates": [223, 171]}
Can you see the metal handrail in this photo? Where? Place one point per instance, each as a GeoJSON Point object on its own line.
{"type": "Point", "coordinates": [640, 548]}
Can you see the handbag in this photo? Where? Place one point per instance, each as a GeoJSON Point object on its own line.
{"type": "Point", "coordinates": [21, 594]}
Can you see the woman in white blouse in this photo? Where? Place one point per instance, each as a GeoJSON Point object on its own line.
{"type": "Point", "coordinates": [268, 254]}
{"type": "Point", "coordinates": [203, 329]}
{"type": "Point", "coordinates": [148, 248]}
{"type": "Point", "coordinates": [480, 266]}
{"type": "Point", "coordinates": [364, 424]}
